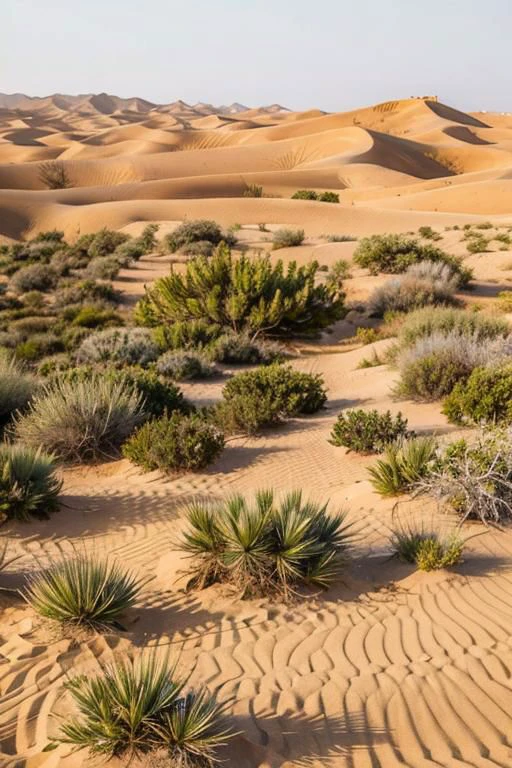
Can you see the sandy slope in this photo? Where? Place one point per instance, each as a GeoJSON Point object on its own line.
{"type": "Point", "coordinates": [388, 669]}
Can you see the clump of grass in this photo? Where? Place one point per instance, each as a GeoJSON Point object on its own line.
{"type": "Point", "coordinates": [137, 706]}
{"type": "Point", "coordinates": [340, 238]}
{"type": "Point", "coordinates": [29, 486]}
{"type": "Point", "coordinates": [266, 548]}
{"type": "Point", "coordinates": [404, 462]}
{"type": "Point", "coordinates": [16, 388]}
{"type": "Point", "coordinates": [287, 238]}
{"type": "Point", "coordinates": [426, 549]}
{"type": "Point", "coordinates": [84, 592]}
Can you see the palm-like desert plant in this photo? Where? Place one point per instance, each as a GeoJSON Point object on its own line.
{"type": "Point", "coordinates": [136, 706]}
{"type": "Point", "coordinates": [29, 486]}
{"type": "Point", "coordinates": [403, 464]}
{"type": "Point", "coordinates": [83, 419]}
{"type": "Point", "coordinates": [265, 548]}
{"type": "Point", "coordinates": [83, 591]}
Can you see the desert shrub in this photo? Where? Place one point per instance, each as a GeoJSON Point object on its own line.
{"type": "Point", "coordinates": [485, 397]}
{"type": "Point", "coordinates": [31, 324]}
{"type": "Point", "coordinates": [16, 388]}
{"type": "Point", "coordinates": [29, 486]}
{"type": "Point", "coordinates": [503, 237]}
{"type": "Point", "coordinates": [339, 272]}
{"type": "Point", "coordinates": [37, 346]}
{"type": "Point", "coordinates": [138, 706]}
{"type": "Point", "coordinates": [395, 253]}
{"type": "Point", "coordinates": [249, 293]}
{"type": "Point", "coordinates": [484, 225]}
{"type": "Point", "coordinates": [81, 420]}
{"type": "Point", "coordinates": [86, 291]}
{"type": "Point", "coordinates": [119, 345]}
{"type": "Point", "coordinates": [35, 277]}
{"type": "Point", "coordinates": [266, 396]}
{"type": "Point", "coordinates": [305, 194]}
{"type": "Point", "coordinates": [34, 299]}
{"type": "Point", "coordinates": [404, 462]}
{"type": "Point", "coordinates": [128, 252]}
{"type": "Point", "coordinates": [265, 548]}
{"type": "Point", "coordinates": [240, 348]}
{"type": "Point", "coordinates": [367, 431]}
{"type": "Point", "coordinates": [367, 335]}
{"type": "Point", "coordinates": [340, 238]}
{"type": "Point", "coordinates": [93, 316]}
{"type": "Point", "coordinates": [147, 237]}
{"type": "Point", "coordinates": [193, 232]}
{"type": "Point", "coordinates": [475, 479]}
{"type": "Point", "coordinates": [329, 197]}
{"type": "Point", "coordinates": [182, 364]}
{"type": "Point", "coordinates": [426, 549]}
{"type": "Point", "coordinates": [287, 238]}
{"type": "Point", "coordinates": [185, 335]}
{"type": "Point", "coordinates": [175, 442]}
{"type": "Point", "coordinates": [505, 301]}
{"type": "Point", "coordinates": [103, 268]}
{"type": "Point", "coordinates": [104, 242]}
{"type": "Point", "coordinates": [428, 233]}
{"type": "Point", "coordinates": [444, 321]}
{"type": "Point", "coordinates": [424, 283]}
{"type": "Point", "coordinates": [54, 175]}
{"type": "Point", "coordinates": [83, 591]}
{"type": "Point", "coordinates": [50, 236]}
{"type": "Point", "coordinates": [253, 190]}
{"type": "Point", "coordinates": [477, 244]}
{"type": "Point", "coordinates": [199, 248]}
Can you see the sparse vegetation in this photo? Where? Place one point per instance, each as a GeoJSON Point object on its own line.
{"type": "Point", "coordinates": [403, 464]}
{"type": "Point", "coordinates": [428, 550]}
{"type": "Point", "coordinates": [305, 194]}
{"type": "Point", "coordinates": [367, 431]}
{"type": "Point", "coordinates": [428, 233]}
{"type": "Point", "coordinates": [287, 238]}
{"type": "Point", "coordinates": [53, 174]}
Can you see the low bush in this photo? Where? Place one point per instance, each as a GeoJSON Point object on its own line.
{"type": "Point", "coordinates": [266, 396]}
{"type": "Point", "coordinates": [29, 486]}
{"type": "Point", "coordinates": [485, 397]}
{"type": "Point", "coordinates": [329, 197]}
{"type": "Point", "coordinates": [367, 431]}
{"type": "Point", "coordinates": [477, 244]}
{"type": "Point", "coordinates": [253, 190]}
{"type": "Point", "coordinates": [35, 277]}
{"type": "Point", "coordinates": [81, 420]}
{"type": "Point", "coordinates": [428, 233]}
{"type": "Point", "coordinates": [266, 548]}
{"type": "Point", "coordinates": [16, 388]}
{"type": "Point", "coordinates": [305, 194]}
{"type": "Point", "coordinates": [193, 232]}
{"type": "Point", "coordinates": [199, 248]}
{"type": "Point", "coordinates": [104, 242]}
{"type": "Point", "coordinates": [444, 321]}
{"type": "Point", "coordinates": [93, 316]}
{"type": "Point", "coordinates": [37, 346]}
{"type": "Point", "coordinates": [287, 238]}
{"type": "Point", "coordinates": [138, 706]}
{"type": "Point", "coordinates": [103, 268]}
{"type": "Point", "coordinates": [132, 346]}
{"type": "Point", "coordinates": [339, 272]}
{"type": "Point", "coordinates": [181, 365]}
{"type": "Point", "coordinates": [83, 592]}
{"type": "Point", "coordinates": [426, 549]}
{"type": "Point", "coordinates": [422, 284]}
{"type": "Point", "coordinates": [193, 334]}
{"type": "Point", "coordinates": [404, 463]}
{"type": "Point", "coordinates": [505, 301]}
{"type": "Point", "coordinates": [241, 348]}
{"type": "Point", "coordinates": [174, 443]}
{"type": "Point", "coordinates": [395, 253]}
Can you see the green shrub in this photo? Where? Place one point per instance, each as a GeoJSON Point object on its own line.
{"type": "Point", "coordinates": [105, 242]}
{"type": "Point", "coordinates": [339, 272]}
{"type": "Point", "coordinates": [395, 253]}
{"type": "Point", "coordinates": [505, 301]}
{"type": "Point", "coordinates": [485, 397]}
{"type": "Point", "coordinates": [176, 442]}
{"type": "Point", "coordinates": [367, 431]}
{"type": "Point", "coordinates": [287, 238]}
{"type": "Point", "coordinates": [119, 345]}
{"type": "Point", "coordinates": [240, 348]}
{"type": "Point", "coordinates": [340, 238]}
{"type": "Point", "coordinates": [426, 549]}
{"type": "Point", "coordinates": [84, 592]}
{"type": "Point", "coordinates": [404, 463]}
{"type": "Point", "coordinates": [148, 237]}
{"type": "Point", "coordinates": [253, 190]}
{"type": "Point", "coordinates": [329, 197]}
{"type": "Point", "coordinates": [428, 233]}
{"type": "Point", "coordinates": [181, 365]}
{"type": "Point", "coordinates": [249, 293]}
{"type": "Point", "coordinates": [35, 277]}
{"type": "Point", "coordinates": [81, 420]}
{"type": "Point", "coordinates": [94, 316]}
{"type": "Point", "coordinates": [477, 244]}
{"type": "Point", "coordinates": [16, 388]}
{"type": "Point", "coordinates": [484, 225]}
{"type": "Point", "coordinates": [51, 236]}
{"type": "Point", "coordinates": [424, 283]}
{"type": "Point", "coordinates": [305, 194]}
{"type": "Point", "coordinates": [29, 486]}
{"type": "Point", "coordinates": [86, 291]}
{"type": "Point", "coordinates": [444, 321]}
{"type": "Point", "coordinates": [137, 706]}
{"type": "Point", "coordinates": [199, 248]}
{"type": "Point", "coordinates": [103, 268]}
{"type": "Point", "coordinates": [37, 346]}
{"type": "Point", "coordinates": [184, 335]}
{"type": "Point", "coordinates": [193, 232]}
{"type": "Point", "coordinates": [266, 396]}
{"type": "Point", "coordinates": [266, 548]}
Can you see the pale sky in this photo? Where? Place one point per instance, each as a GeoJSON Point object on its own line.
{"type": "Point", "coordinates": [331, 54]}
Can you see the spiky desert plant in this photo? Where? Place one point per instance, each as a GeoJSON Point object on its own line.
{"type": "Point", "coordinates": [16, 388]}
{"type": "Point", "coordinates": [83, 591]}
{"type": "Point", "coordinates": [404, 463]}
{"type": "Point", "coordinates": [428, 550]}
{"type": "Point", "coordinates": [54, 175]}
{"type": "Point", "coordinates": [81, 420]}
{"type": "Point", "coordinates": [246, 293]}
{"type": "Point", "coordinates": [137, 706]}
{"type": "Point", "coordinates": [5, 558]}
{"type": "Point", "coordinates": [29, 486]}
{"type": "Point", "coordinates": [265, 548]}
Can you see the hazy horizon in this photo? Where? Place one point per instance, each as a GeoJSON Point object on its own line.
{"type": "Point", "coordinates": [333, 55]}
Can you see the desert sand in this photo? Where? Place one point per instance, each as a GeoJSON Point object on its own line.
{"type": "Point", "coordinates": [390, 668]}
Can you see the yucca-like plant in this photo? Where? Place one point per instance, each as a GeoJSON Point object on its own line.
{"type": "Point", "coordinates": [428, 550]}
{"type": "Point", "coordinates": [29, 486]}
{"type": "Point", "coordinates": [83, 591]}
{"type": "Point", "coordinates": [5, 557]}
{"type": "Point", "coordinates": [403, 464]}
{"type": "Point", "coordinates": [247, 293]}
{"type": "Point", "coordinates": [16, 388]}
{"type": "Point", "coordinates": [137, 706]}
{"type": "Point", "coordinates": [82, 419]}
{"type": "Point", "coordinates": [267, 547]}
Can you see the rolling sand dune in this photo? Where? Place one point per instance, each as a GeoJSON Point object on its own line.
{"type": "Point", "coordinates": [390, 669]}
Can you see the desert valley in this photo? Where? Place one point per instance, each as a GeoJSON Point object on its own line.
{"type": "Point", "coordinates": [202, 304]}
